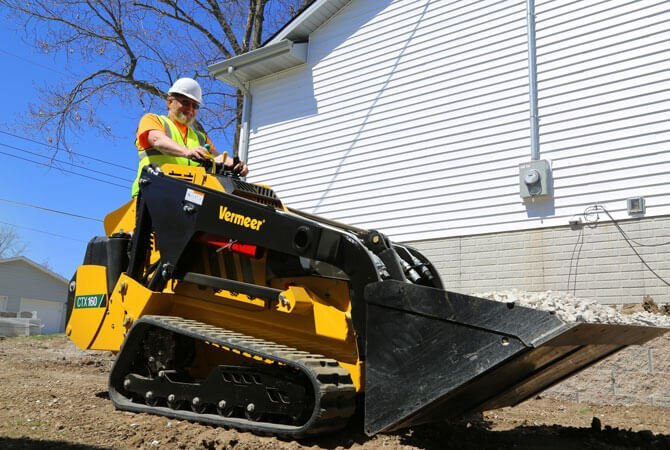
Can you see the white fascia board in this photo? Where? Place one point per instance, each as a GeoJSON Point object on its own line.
{"type": "Point", "coordinates": [309, 20]}
{"type": "Point", "coordinates": [259, 63]}
{"type": "Point", "coordinates": [285, 50]}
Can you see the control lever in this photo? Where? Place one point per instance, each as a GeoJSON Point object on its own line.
{"type": "Point", "coordinates": [225, 170]}
{"type": "Point", "coordinates": [236, 161]}
{"type": "Point", "coordinates": [210, 160]}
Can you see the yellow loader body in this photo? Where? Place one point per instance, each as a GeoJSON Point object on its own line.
{"type": "Point", "coordinates": [226, 307]}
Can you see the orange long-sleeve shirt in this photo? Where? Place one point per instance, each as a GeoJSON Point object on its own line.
{"type": "Point", "coordinates": [150, 122]}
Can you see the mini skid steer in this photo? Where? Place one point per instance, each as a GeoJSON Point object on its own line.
{"type": "Point", "coordinates": [226, 307]}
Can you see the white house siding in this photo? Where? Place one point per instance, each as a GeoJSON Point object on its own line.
{"type": "Point", "coordinates": [604, 99]}
{"type": "Point", "coordinates": [21, 280]}
{"type": "Point", "coordinates": [412, 117]}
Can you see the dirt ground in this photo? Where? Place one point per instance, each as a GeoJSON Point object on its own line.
{"type": "Point", "coordinates": [53, 395]}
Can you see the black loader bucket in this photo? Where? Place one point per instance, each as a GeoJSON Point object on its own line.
{"type": "Point", "coordinates": [434, 354]}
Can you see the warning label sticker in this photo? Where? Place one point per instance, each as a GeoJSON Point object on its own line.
{"type": "Point", "coordinates": [196, 197]}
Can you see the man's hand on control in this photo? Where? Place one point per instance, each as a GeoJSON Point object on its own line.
{"type": "Point", "coordinates": [240, 168]}
{"type": "Point", "coordinates": [197, 153]}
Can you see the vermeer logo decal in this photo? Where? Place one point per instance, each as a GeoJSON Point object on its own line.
{"type": "Point", "coordinates": [239, 219]}
{"type": "Point", "coordinates": [90, 301]}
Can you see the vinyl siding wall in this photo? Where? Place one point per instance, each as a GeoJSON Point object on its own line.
{"type": "Point", "coordinates": [19, 280]}
{"type": "Point", "coordinates": [412, 117]}
{"type": "Point", "coordinates": [419, 114]}
{"type": "Point", "coordinates": [604, 90]}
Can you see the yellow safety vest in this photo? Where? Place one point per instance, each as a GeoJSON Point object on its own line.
{"type": "Point", "coordinates": [152, 156]}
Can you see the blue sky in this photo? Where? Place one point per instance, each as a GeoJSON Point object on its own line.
{"type": "Point", "coordinates": [57, 240]}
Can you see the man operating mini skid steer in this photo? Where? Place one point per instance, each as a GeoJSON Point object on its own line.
{"type": "Point", "coordinates": [171, 139]}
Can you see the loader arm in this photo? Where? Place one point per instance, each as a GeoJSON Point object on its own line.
{"type": "Point", "coordinates": [170, 208]}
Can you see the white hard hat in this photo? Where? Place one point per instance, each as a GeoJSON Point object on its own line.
{"type": "Point", "coordinates": [187, 87]}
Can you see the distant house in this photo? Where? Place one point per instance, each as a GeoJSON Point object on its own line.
{"type": "Point", "coordinates": [28, 286]}
{"type": "Point", "coordinates": [419, 118]}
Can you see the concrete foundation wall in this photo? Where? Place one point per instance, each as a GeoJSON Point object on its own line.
{"type": "Point", "coordinates": [592, 260]}
{"type": "Point", "coordinates": [637, 375]}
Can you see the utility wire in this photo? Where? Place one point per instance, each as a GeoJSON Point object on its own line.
{"type": "Point", "coordinates": [69, 151]}
{"type": "Point", "coordinates": [64, 170]}
{"type": "Point", "coordinates": [623, 233]}
{"type": "Point", "coordinates": [63, 162]}
{"type": "Point", "coordinates": [78, 166]}
{"type": "Point", "coordinates": [49, 68]}
{"type": "Point", "coordinates": [578, 250]}
{"type": "Point", "coordinates": [43, 232]}
{"type": "Point", "coordinates": [50, 210]}
{"type": "Point", "coordinates": [597, 208]}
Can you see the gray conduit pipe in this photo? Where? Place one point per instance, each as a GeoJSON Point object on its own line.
{"type": "Point", "coordinates": [532, 82]}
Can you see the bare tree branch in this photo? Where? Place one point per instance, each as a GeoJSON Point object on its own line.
{"type": "Point", "coordinates": [10, 243]}
{"type": "Point", "coordinates": [181, 16]}
{"type": "Point", "coordinates": [258, 19]}
{"type": "Point", "coordinates": [249, 27]}
{"type": "Point", "coordinates": [225, 26]}
{"type": "Point", "coordinates": [134, 50]}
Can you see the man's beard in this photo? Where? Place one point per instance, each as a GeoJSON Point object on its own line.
{"type": "Point", "coordinates": [181, 118]}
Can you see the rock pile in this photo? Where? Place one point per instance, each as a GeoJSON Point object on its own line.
{"type": "Point", "coordinates": [573, 309]}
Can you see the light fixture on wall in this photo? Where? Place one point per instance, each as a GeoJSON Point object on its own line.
{"type": "Point", "coordinates": [635, 206]}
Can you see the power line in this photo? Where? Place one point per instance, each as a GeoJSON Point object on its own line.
{"type": "Point", "coordinates": [50, 210]}
{"type": "Point", "coordinates": [64, 162]}
{"type": "Point", "coordinates": [43, 232]}
{"type": "Point", "coordinates": [69, 151]}
{"type": "Point", "coordinates": [64, 170]}
{"type": "Point", "coordinates": [49, 68]}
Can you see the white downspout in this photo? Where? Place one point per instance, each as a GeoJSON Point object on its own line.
{"type": "Point", "coordinates": [243, 147]}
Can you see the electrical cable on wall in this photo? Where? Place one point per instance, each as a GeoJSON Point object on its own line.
{"type": "Point", "coordinates": [591, 218]}
{"type": "Point", "coordinates": [623, 233]}
{"type": "Point", "coordinates": [578, 245]}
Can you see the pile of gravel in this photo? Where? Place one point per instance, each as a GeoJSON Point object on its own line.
{"type": "Point", "coordinates": [572, 309]}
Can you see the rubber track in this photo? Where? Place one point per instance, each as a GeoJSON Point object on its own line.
{"type": "Point", "coordinates": [334, 393]}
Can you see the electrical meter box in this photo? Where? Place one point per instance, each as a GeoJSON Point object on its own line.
{"type": "Point", "coordinates": [535, 180]}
